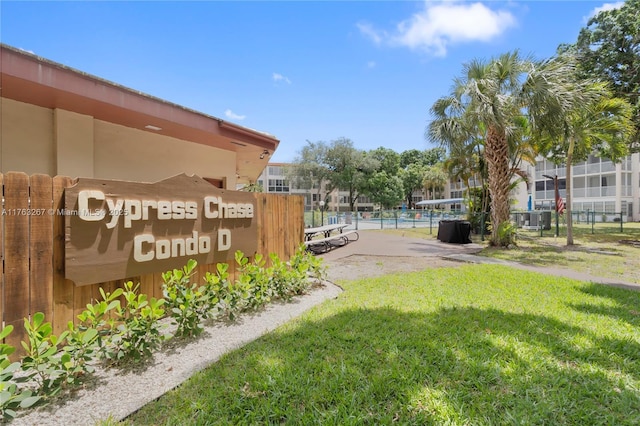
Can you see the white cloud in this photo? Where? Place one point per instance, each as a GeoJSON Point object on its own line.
{"type": "Point", "coordinates": [603, 8]}
{"type": "Point", "coordinates": [439, 25]}
{"type": "Point", "coordinates": [233, 116]}
{"type": "Point", "coordinates": [28, 51]}
{"type": "Point", "coordinates": [279, 77]}
{"type": "Point", "coordinates": [368, 30]}
{"type": "Point", "coordinates": [371, 64]}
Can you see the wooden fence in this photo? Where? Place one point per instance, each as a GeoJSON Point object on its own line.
{"type": "Point", "coordinates": [33, 256]}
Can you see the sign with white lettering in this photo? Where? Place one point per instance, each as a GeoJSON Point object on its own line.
{"type": "Point", "coordinates": [116, 229]}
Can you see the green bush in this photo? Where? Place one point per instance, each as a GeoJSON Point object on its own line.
{"type": "Point", "coordinates": [187, 303]}
{"type": "Point", "coordinates": [11, 396]}
{"type": "Point", "coordinates": [138, 328]}
{"type": "Point", "coordinates": [507, 233]}
{"type": "Point", "coordinates": [101, 317]}
{"type": "Point", "coordinates": [125, 325]}
{"type": "Point", "coordinates": [43, 362]}
{"type": "Point", "coordinates": [254, 279]}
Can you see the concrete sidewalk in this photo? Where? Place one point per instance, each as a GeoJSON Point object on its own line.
{"type": "Point", "coordinates": [377, 243]}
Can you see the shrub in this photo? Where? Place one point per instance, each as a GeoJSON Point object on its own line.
{"type": "Point", "coordinates": [138, 329]}
{"type": "Point", "coordinates": [43, 362]}
{"type": "Point", "coordinates": [287, 281]}
{"type": "Point", "coordinates": [254, 279]}
{"type": "Point", "coordinates": [11, 396]}
{"type": "Point", "coordinates": [187, 303]}
{"type": "Point", "coordinates": [101, 316]}
{"type": "Point", "coordinates": [81, 345]}
{"type": "Point", "coordinates": [507, 233]}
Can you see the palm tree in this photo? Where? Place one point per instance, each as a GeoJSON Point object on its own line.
{"type": "Point", "coordinates": [434, 179]}
{"type": "Point", "coordinates": [602, 125]}
{"type": "Point", "coordinates": [501, 95]}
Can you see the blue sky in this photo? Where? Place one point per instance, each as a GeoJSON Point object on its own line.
{"type": "Point", "coordinates": [299, 70]}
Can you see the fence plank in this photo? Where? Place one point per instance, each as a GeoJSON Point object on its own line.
{"type": "Point", "coordinates": [2, 299]}
{"type": "Point", "coordinates": [147, 285]}
{"type": "Point", "coordinates": [63, 289]}
{"type": "Point", "coordinates": [40, 247]}
{"type": "Point", "coordinates": [16, 244]}
{"type": "Point", "coordinates": [41, 286]}
{"type": "Point", "coordinates": [82, 296]}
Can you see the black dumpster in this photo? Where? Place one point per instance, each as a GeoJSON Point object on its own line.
{"type": "Point", "coordinates": [454, 231]}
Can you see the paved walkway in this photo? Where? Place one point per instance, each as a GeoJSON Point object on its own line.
{"type": "Point", "coordinates": [376, 243]}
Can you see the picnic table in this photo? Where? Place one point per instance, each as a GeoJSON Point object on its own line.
{"type": "Point", "coordinates": [331, 236]}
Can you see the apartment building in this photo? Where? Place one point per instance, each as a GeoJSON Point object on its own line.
{"type": "Point", "coordinates": [599, 185]}
{"type": "Point", "coordinates": [274, 180]}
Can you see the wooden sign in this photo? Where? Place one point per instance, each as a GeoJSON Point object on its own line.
{"type": "Point", "coordinates": [117, 229]}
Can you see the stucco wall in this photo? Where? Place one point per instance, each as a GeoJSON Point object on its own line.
{"type": "Point", "coordinates": [131, 154]}
{"type": "Point", "coordinates": [73, 140]}
{"type": "Point", "coordinates": [59, 142]}
{"type": "Point", "coordinates": [26, 138]}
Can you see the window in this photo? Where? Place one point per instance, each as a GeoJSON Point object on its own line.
{"type": "Point", "coordinates": [276, 170]}
{"type": "Point", "coordinates": [562, 184]}
{"type": "Point", "coordinates": [278, 185]}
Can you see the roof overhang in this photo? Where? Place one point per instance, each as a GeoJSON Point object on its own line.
{"type": "Point", "coordinates": [31, 79]}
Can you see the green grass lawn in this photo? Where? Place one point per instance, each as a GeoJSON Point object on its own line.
{"type": "Point", "coordinates": [601, 254]}
{"type": "Point", "coordinates": [476, 344]}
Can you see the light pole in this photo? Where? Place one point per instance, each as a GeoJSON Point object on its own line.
{"type": "Point", "coordinates": [321, 213]}
{"type": "Point", "coordinates": [557, 195]}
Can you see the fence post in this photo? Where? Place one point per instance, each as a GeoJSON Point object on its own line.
{"type": "Point", "coordinates": [540, 224]}
{"type": "Point", "coordinates": [482, 226]}
{"type": "Point", "coordinates": [381, 225]}
{"type": "Point", "coordinates": [430, 222]}
{"type": "Point", "coordinates": [357, 214]}
{"type": "Point", "coordinates": [621, 221]}
{"type": "Point", "coordinates": [414, 218]}
{"type": "Point", "coordinates": [593, 221]}
{"type": "Point", "coordinates": [395, 216]}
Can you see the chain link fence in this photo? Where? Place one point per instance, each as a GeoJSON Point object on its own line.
{"type": "Point", "coordinates": [543, 223]}
{"type": "Point", "coordinates": [383, 219]}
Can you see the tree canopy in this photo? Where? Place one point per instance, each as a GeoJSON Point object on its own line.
{"type": "Point", "coordinates": [609, 48]}
{"type": "Point", "coordinates": [507, 100]}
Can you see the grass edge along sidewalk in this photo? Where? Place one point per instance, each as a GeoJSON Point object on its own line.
{"type": "Point", "coordinates": [475, 344]}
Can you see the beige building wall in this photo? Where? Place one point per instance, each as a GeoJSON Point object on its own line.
{"type": "Point", "coordinates": [26, 138]}
{"type": "Point", "coordinates": [131, 154]}
{"type": "Point", "coordinates": [59, 142]}
{"type": "Point", "coordinates": [73, 140]}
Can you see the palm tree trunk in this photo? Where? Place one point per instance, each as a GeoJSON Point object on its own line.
{"type": "Point", "coordinates": [568, 189]}
{"type": "Point", "coordinates": [497, 155]}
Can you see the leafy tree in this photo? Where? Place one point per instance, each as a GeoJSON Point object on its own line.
{"type": "Point", "coordinates": [309, 170]}
{"type": "Point", "coordinates": [348, 168]}
{"type": "Point", "coordinates": [602, 125]}
{"type": "Point", "coordinates": [388, 159]}
{"type": "Point", "coordinates": [609, 48]}
{"type": "Point", "coordinates": [433, 156]}
{"type": "Point", "coordinates": [427, 157]}
{"type": "Point", "coordinates": [412, 177]}
{"type": "Point", "coordinates": [411, 156]}
{"type": "Point", "coordinates": [384, 189]}
{"type": "Point", "coordinates": [413, 166]}
{"type": "Point", "coordinates": [502, 95]}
